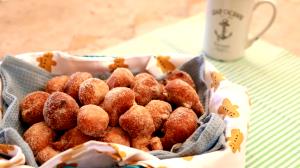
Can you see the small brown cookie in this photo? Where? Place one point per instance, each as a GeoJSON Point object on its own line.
{"type": "Point", "coordinates": [46, 61]}
{"type": "Point", "coordinates": [118, 62]}
{"type": "Point", "coordinates": [164, 63]}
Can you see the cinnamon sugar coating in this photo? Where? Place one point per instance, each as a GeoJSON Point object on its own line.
{"type": "Point", "coordinates": [70, 139]}
{"type": "Point", "coordinates": [46, 154]}
{"type": "Point", "coordinates": [92, 91]}
{"type": "Point", "coordinates": [121, 77]}
{"type": "Point", "coordinates": [178, 74]}
{"type": "Point", "coordinates": [182, 94]}
{"type": "Point", "coordinates": [116, 102]}
{"type": "Point", "coordinates": [146, 143]}
{"type": "Point", "coordinates": [38, 136]}
{"type": "Point", "coordinates": [60, 111]}
{"type": "Point", "coordinates": [155, 144]}
{"type": "Point", "coordinates": [146, 88]}
{"type": "Point", "coordinates": [137, 121]}
{"type": "Point", "coordinates": [92, 120]}
{"type": "Point", "coordinates": [160, 112]}
{"type": "Point", "coordinates": [72, 85]}
{"type": "Point", "coordinates": [56, 84]}
{"type": "Point", "coordinates": [32, 107]}
{"type": "Point", "coordinates": [116, 135]}
{"type": "Point", "coordinates": [141, 142]}
{"type": "Point", "coordinates": [125, 109]}
{"type": "Point", "coordinates": [179, 126]}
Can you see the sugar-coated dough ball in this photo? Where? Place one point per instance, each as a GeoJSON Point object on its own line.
{"type": "Point", "coordinates": [73, 84]}
{"type": "Point", "coordinates": [164, 94]}
{"type": "Point", "coordinates": [180, 125]}
{"type": "Point", "coordinates": [60, 111]}
{"type": "Point", "coordinates": [155, 144]}
{"type": "Point", "coordinates": [92, 91]}
{"type": "Point", "coordinates": [146, 143]}
{"type": "Point", "coordinates": [160, 111]}
{"type": "Point", "coordinates": [146, 88]}
{"type": "Point", "coordinates": [70, 139]}
{"type": "Point", "coordinates": [38, 136]}
{"type": "Point", "coordinates": [137, 121]}
{"type": "Point", "coordinates": [182, 94]}
{"type": "Point", "coordinates": [116, 102]}
{"type": "Point", "coordinates": [178, 74]}
{"type": "Point", "coordinates": [141, 142]}
{"type": "Point", "coordinates": [32, 107]}
{"type": "Point", "coordinates": [56, 84]}
{"type": "Point", "coordinates": [46, 154]}
{"type": "Point", "coordinates": [121, 77]}
{"type": "Point", "coordinates": [116, 135]}
{"type": "Point", "coordinates": [92, 120]}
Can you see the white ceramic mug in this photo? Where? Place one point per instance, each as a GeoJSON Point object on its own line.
{"type": "Point", "coordinates": [226, 27]}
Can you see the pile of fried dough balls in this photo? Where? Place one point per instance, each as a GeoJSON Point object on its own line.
{"type": "Point", "coordinates": [136, 111]}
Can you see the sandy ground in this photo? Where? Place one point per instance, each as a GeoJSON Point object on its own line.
{"type": "Point", "coordinates": [73, 25]}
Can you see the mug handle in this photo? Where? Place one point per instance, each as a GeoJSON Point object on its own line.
{"type": "Point", "coordinates": [256, 37]}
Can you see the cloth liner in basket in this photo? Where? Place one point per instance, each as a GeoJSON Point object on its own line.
{"type": "Point", "coordinates": [20, 77]}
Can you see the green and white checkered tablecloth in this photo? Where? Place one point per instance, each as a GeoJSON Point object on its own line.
{"type": "Point", "coordinates": [274, 132]}
{"type": "Point", "coordinates": [272, 76]}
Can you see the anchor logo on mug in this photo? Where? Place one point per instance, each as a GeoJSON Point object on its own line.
{"type": "Point", "coordinates": [226, 27]}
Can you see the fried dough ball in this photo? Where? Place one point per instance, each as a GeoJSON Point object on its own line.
{"type": "Point", "coordinates": [38, 136]}
{"type": "Point", "coordinates": [146, 143]}
{"type": "Point", "coordinates": [32, 107]}
{"type": "Point", "coordinates": [60, 111]}
{"type": "Point", "coordinates": [164, 94]}
{"type": "Point", "coordinates": [70, 139]}
{"type": "Point", "coordinates": [73, 84]}
{"type": "Point", "coordinates": [46, 154]}
{"type": "Point", "coordinates": [182, 94]}
{"type": "Point", "coordinates": [160, 111]}
{"type": "Point", "coordinates": [121, 77]}
{"type": "Point", "coordinates": [56, 84]}
{"type": "Point", "coordinates": [155, 144]}
{"type": "Point", "coordinates": [92, 120]}
{"type": "Point", "coordinates": [137, 121]}
{"type": "Point", "coordinates": [179, 126]}
{"type": "Point", "coordinates": [141, 143]}
{"type": "Point", "coordinates": [178, 74]}
{"type": "Point", "coordinates": [146, 88]}
{"type": "Point", "coordinates": [116, 102]}
{"type": "Point", "coordinates": [92, 91]}
{"type": "Point", "coordinates": [141, 76]}
{"type": "Point", "coordinates": [116, 135]}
